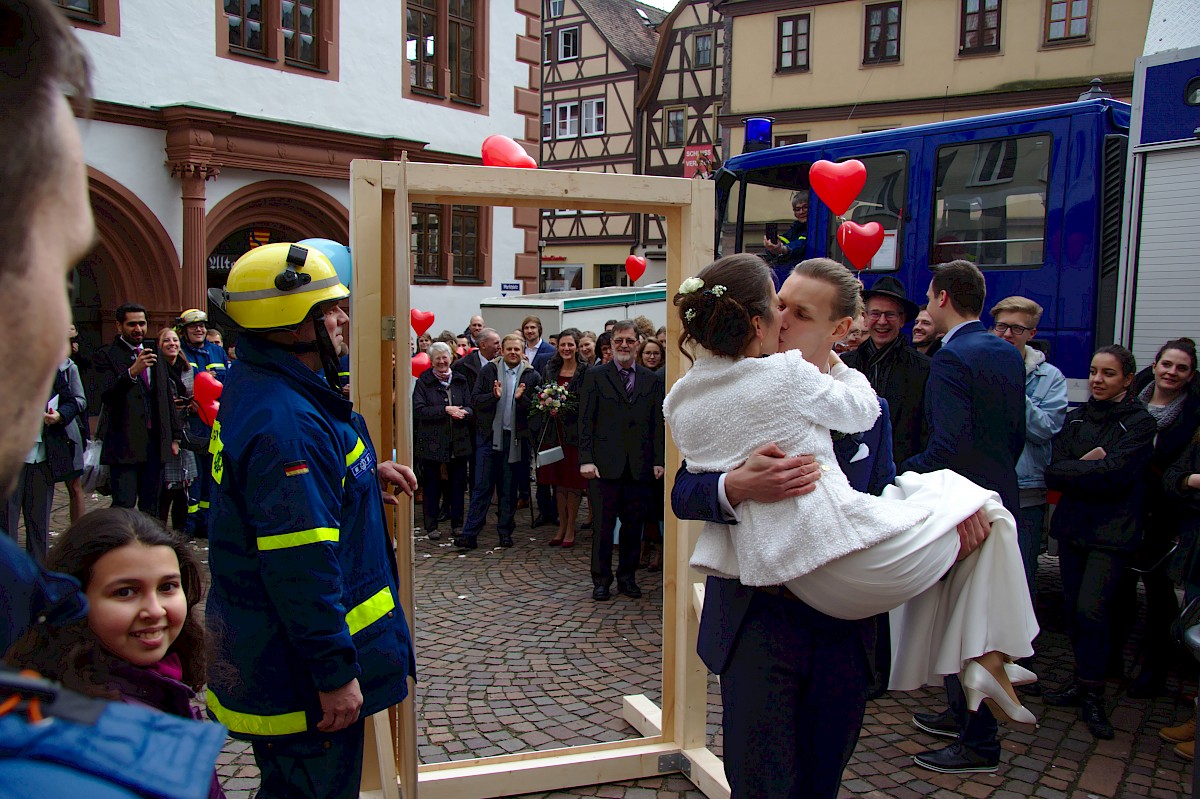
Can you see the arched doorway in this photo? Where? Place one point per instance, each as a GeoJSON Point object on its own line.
{"type": "Point", "coordinates": [271, 210]}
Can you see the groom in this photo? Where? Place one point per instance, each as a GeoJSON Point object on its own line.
{"type": "Point", "coordinates": [793, 681]}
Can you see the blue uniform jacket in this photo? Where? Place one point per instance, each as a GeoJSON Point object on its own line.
{"type": "Point", "coordinates": [304, 595]}
{"type": "Point", "coordinates": [208, 358]}
{"type": "Point", "coordinates": [865, 458]}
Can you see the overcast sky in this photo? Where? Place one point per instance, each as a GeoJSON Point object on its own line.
{"type": "Point", "coordinates": [665, 5]}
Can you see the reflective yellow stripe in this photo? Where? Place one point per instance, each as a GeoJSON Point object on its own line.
{"type": "Point", "coordinates": [204, 503]}
{"type": "Point", "coordinates": [297, 539]}
{"type": "Point", "coordinates": [356, 453]}
{"type": "Point", "coordinates": [364, 615]}
{"type": "Point", "coordinates": [250, 724]}
{"type": "Point", "coordinates": [215, 366]}
{"type": "Point", "coordinates": [215, 446]}
{"type": "Point", "coordinates": [193, 508]}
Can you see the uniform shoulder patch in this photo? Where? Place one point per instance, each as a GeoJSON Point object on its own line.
{"type": "Point", "coordinates": [295, 468]}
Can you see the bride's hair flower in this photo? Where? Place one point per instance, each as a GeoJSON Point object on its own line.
{"type": "Point", "coordinates": [690, 285]}
{"type": "Point", "coordinates": [689, 314]}
{"type": "Point", "coordinates": [718, 290]}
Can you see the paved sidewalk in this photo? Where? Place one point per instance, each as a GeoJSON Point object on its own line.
{"type": "Point", "coordinates": [514, 656]}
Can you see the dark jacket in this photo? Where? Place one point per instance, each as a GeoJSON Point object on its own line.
{"type": "Point", "coordinates": [484, 401]}
{"type": "Point", "coordinates": [60, 448]}
{"type": "Point", "coordinates": [1101, 503]}
{"type": "Point", "coordinates": [439, 437]}
{"type": "Point", "coordinates": [544, 353]}
{"type": "Point", "coordinates": [567, 421]}
{"type": "Point", "coordinates": [617, 432]}
{"type": "Point", "coordinates": [975, 412]}
{"type": "Point", "coordinates": [1163, 510]}
{"type": "Point", "coordinates": [898, 373]}
{"type": "Point", "coordinates": [1185, 566]}
{"type": "Point", "coordinates": [140, 422]}
{"type": "Point", "coordinates": [469, 367]}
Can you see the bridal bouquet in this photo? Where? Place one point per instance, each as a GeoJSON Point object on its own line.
{"type": "Point", "coordinates": [551, 399]}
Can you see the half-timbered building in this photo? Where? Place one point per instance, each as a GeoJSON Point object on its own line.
{"type": "Point", "coordinates": [597, 56]}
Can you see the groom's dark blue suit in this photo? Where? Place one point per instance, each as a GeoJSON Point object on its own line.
{"type": "Point", "coordinates": [793, 680]}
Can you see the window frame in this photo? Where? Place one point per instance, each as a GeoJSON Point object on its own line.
{"type": "Point", "coordinates": [979, 49]}
{"type": "Point", "coordinates": [105, 19]}
{"type": "Point", "coordinates": [708, 36]}
{"type": "Point", "coordinates": [274, 53]}
{"type": "Point", "coordinates": [1067, 40]}
{"type": "Point", "coordinates": [447, 216]}
{"type": "Point", "coordinates": [454, 53]}
{"type": "Point", "coordinates": [884, 8]}
{"type": "Point", "coordinates": [547, 122]}
{"type": "Point", "coordinates": [667, 140]}
{"type": "Point", "coordinates": [550, 9]}
{"type": "Point", "coordinates": [795, 19]}
{"type": "Point", "coordinates": [558, 119]}
{"type": "Point", "coordinates": [594, 102]}
{"type": "Point", "coordinates": [444, 90]}
{"type": "Point", "coordinates": [562, 38]}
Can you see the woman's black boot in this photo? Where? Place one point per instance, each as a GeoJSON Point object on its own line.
{"type": "Point", "coordinates": [1091, 710]}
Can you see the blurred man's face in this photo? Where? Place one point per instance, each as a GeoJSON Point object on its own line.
{"type": "Point", "coordinates": [800, 210]}
{"type": "Point", "coordinates": [531, 332]}
{"type": "Point", "coordinates": [196, 333]}
{"type": "Point", "coordinates": [475, 326]}
{"type": "Point", "coordinates": [513, 352]}
{"type": "Point", "coordinates": [133, 327]}
{"type": "Point", "coordinates": [923, 332]}
{"type": "Point", "coordinates": [625, 342]}
{"type": "Point", "coordinates": [885, 319]}
{"type": "Point", "coordinates": [61, 232]}
{"type": "Point", "coordinates": [489, 347]}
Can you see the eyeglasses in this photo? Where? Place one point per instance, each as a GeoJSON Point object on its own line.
{"type": "Point", "coordinates": [800, 207]}
{"type": "Point", "coordinates": [1017, 330]}
{"type": "Point", "coordinates": [891, 316]}
{"type": "Point", "coordinates": [624, 341]}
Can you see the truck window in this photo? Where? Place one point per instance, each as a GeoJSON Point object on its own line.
{"type": "Point", "coordinates": [881, 200]}
{"type": "Point", "coordinates": [989, 202]}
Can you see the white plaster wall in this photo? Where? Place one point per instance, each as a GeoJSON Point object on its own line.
{"type": "Point", "coordinates": [230, 180]}
{"type": "Point", "coordinates": [166, 55]}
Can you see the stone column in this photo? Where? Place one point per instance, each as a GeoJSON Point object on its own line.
{"type": "Point", "coordinates": [195, 238]}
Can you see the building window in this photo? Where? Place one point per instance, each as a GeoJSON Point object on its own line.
{"type": "Point", "coordinates": [593, 117]}
{"type": "Point", "coordinates": [1067, 20]}
{"type": "Point", "coordinates": [297, 34]}
{"type": "Point", "coordinates": [444, 49]}
{"type": "Point", "coordinates": [674, 122]}
{"type": "Point", "coordinates": [245, 18]}
{"type": "Point", "coordinates": [85, 9]}
{"type": "Point", "coordinates": [568, 44]}
{"type": "Point", "coordinates": [447, 236]}
{"type": "Point", "coordinates": [547, 48]}
{"type": "Point", "coordinates": [980, 31]}
{"type": "Point", "coordinates": [567, 126]}
{"type": "Point", "coordinates": [791, 38]}
{"type": "Point", "coordinates": [547, 122]}
{"type": "Point", "coordinates": [703, 50]}
{"type": "Point", "coordinates": [299, 24]}
{"type": "Point", "coordinates": [718, 133]}
{"type": "Point", "coordinates": [790, 138]}
{"type": "Point", "coordinates": [555, 9]}
{"type": "Point", "coordinates": [881, 37]}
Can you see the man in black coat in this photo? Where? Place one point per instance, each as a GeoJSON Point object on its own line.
{"type": "Point", "coordinates": [896, 371]}
{"type": "Point", "coordinates": [500, 402]}
{"type": "Point", "coordinates": [138, 428]}
{"type": "Point", "coordinates": [621, 454]}
{"type": "Point", "coordinates": [471, 364]}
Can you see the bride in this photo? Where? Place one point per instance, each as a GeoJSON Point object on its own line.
{"type": "Point", "coordinates": [849, 555]}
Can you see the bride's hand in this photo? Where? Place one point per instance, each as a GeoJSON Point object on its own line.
{"type": "Point", "coordinates": [972, 532]}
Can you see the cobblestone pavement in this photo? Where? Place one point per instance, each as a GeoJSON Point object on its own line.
{"type": "Point", "coordinates": [513, 656]}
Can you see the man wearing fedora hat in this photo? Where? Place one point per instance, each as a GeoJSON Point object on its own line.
{"type": "Point", "coordinates": [897, 372]}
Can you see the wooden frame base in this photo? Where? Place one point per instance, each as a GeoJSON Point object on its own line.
{"type": "Point", "coordinates": [381, 195]}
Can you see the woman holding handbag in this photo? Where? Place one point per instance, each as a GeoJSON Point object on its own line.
{"type": "Point", "coordinates": [559, 427]}
{"type": "Point", "coordinates": [179, 469]}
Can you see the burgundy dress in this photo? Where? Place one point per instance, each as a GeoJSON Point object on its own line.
{"type": "Point", "coordinates": [564, 473]}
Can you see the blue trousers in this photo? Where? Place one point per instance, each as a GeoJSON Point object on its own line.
{"type": "Point", "coordinates": [199, 497]}
{"type": "Point", "coordinates": [494, 473]}
{"type": "Point", "coordinates": [317, 766]}
{"type": "Point", "coordinates": [1029, 538]}
{"type": "Point", "coordinates": [793, 693]}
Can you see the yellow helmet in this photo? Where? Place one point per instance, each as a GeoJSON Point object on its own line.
{"type": "Point", "coordinates": [275, 287]}
{"type": "Point", "coordinates": [191, 316]}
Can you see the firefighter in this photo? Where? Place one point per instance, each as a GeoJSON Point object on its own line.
{"type": "Point", "coordinates": [304, 604]}
{"type": "Point", "coordinates": [205, 357]}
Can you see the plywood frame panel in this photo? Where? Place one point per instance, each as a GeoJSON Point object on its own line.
{"type": "Point", "coordinates": [381, 195]}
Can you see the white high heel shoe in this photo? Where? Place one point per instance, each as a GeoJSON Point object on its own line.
{"type": "Point", "coordinates": [979, 684]}
{"type": "Point", "coordinates": [1019, 675]}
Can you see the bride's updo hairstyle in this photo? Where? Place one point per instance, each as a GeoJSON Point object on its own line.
{"type": "Point", "coordinates": [717, 305]}
{"type": "Point", "coordinates": [848, 301]}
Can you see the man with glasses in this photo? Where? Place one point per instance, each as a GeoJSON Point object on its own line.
{"type": "Point", "coordinates": [897, 372]}
{"type": "Point", "coordinates": [621, 455]}
{"type": "Point", "coordinates": [791, 247]}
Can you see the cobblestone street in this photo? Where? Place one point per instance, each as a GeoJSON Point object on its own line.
{"type": "Point", "coordinates": [514, 655]}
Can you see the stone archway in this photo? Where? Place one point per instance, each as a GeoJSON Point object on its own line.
{"type": "Point", "coordinates": [141, 263]}
{"type": "Point", "coordinates": [289, 204]}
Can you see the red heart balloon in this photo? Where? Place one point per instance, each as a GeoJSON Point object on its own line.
{"type": "Point", "coordinates": [837, 184]}
{"type": "Point", "coordinates": [635, 267]}
{"type": "Point", "coordinates": [420, 362]}
{"type": "Point", "coordinates": [860, 242]}
{"type": "Point", "coordinates": [206, 390]}
{"type": "Point", "coordinates": [502, 151]}
{"type": "Point", "coordinates": [420, 320]}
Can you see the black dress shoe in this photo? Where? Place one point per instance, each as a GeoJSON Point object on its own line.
{"type": "Point", "coordinates": [1071, 696]}
{"type": "Point", "coordinates": [955, 759]}
{"type": "Point", "coordinates": [462, 542]}
{"type": "Point", "coordinates": [630, 590]}
{"type": "Point", "coordinates": [540, 521]}
{"type": "Point", "coordinates": [586, 526]}
{"type": "Point", "coordinates": [433, 535]}
{"type": "Point", "coordinates": [1147, 685]}
{"type": "Point", "coordinates": [943, 724]}
{"type": "Point", "coordinates": [601, 593]}
{"type": "Point", "coordinates": [1091, 710]}
{"type": "Point", "coordinates": [506, 541]}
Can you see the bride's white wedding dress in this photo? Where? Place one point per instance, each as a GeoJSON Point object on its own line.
{"type": "Point", "coordinates": [848, 554]}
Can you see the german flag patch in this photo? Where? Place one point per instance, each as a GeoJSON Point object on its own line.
{"type": "Point", "coordinates": [295, 469]}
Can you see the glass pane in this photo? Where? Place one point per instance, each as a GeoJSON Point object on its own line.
{"type": "Point", "coordinates": [1058, 11]}
{"type": "Point", "coordinates": [802, 43]}
{"type": "Point", "coordinates": [288, 15]}
{"type": "Point", "coordinates": [785, 58]}
{"type": "Point", "coordinates": [972, 6]}
{"type": "Point", "coordinates": [990, 205]}
{"type": "Point", "coordinates": [802, 25]}
{"type": "Point", "coordinates": [1058, 30]}
{"type": "Point", "coordinates": [893, 14]}
{"type": "Point", "coordinates": [1079, 27]}
{"type": "Point", "coordinates": [991, 20]}
{"type": "Point", "coordinates": [289, 43]}
{"type": "Point", "coordinates": [893, 49]}
{"type": "Point", "coordinates": [882, 200]}
{"type": "Point", "coordinates": [802, 58]}
{"type": "Point", "coordinates": [1079, 8]}
{"type": "Point", "coordinates": [785, 27]}
{"type": "Point", "coordinates": [308, 50]}
{"type": "Point", "coordinates": [254, 36]}
{"type": "Point", "coordinates": [235, 31]}
{"type": "Point", "coordinates": [254, 9]}
{"type": "Point", "coordinates": [874, 16]}
{"type": "Point", "coordinates": [991, 5]}
{"type": "Point", "coordinates": [233, 6]}
{"type": "Point", "coordinates": [306, 20]}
